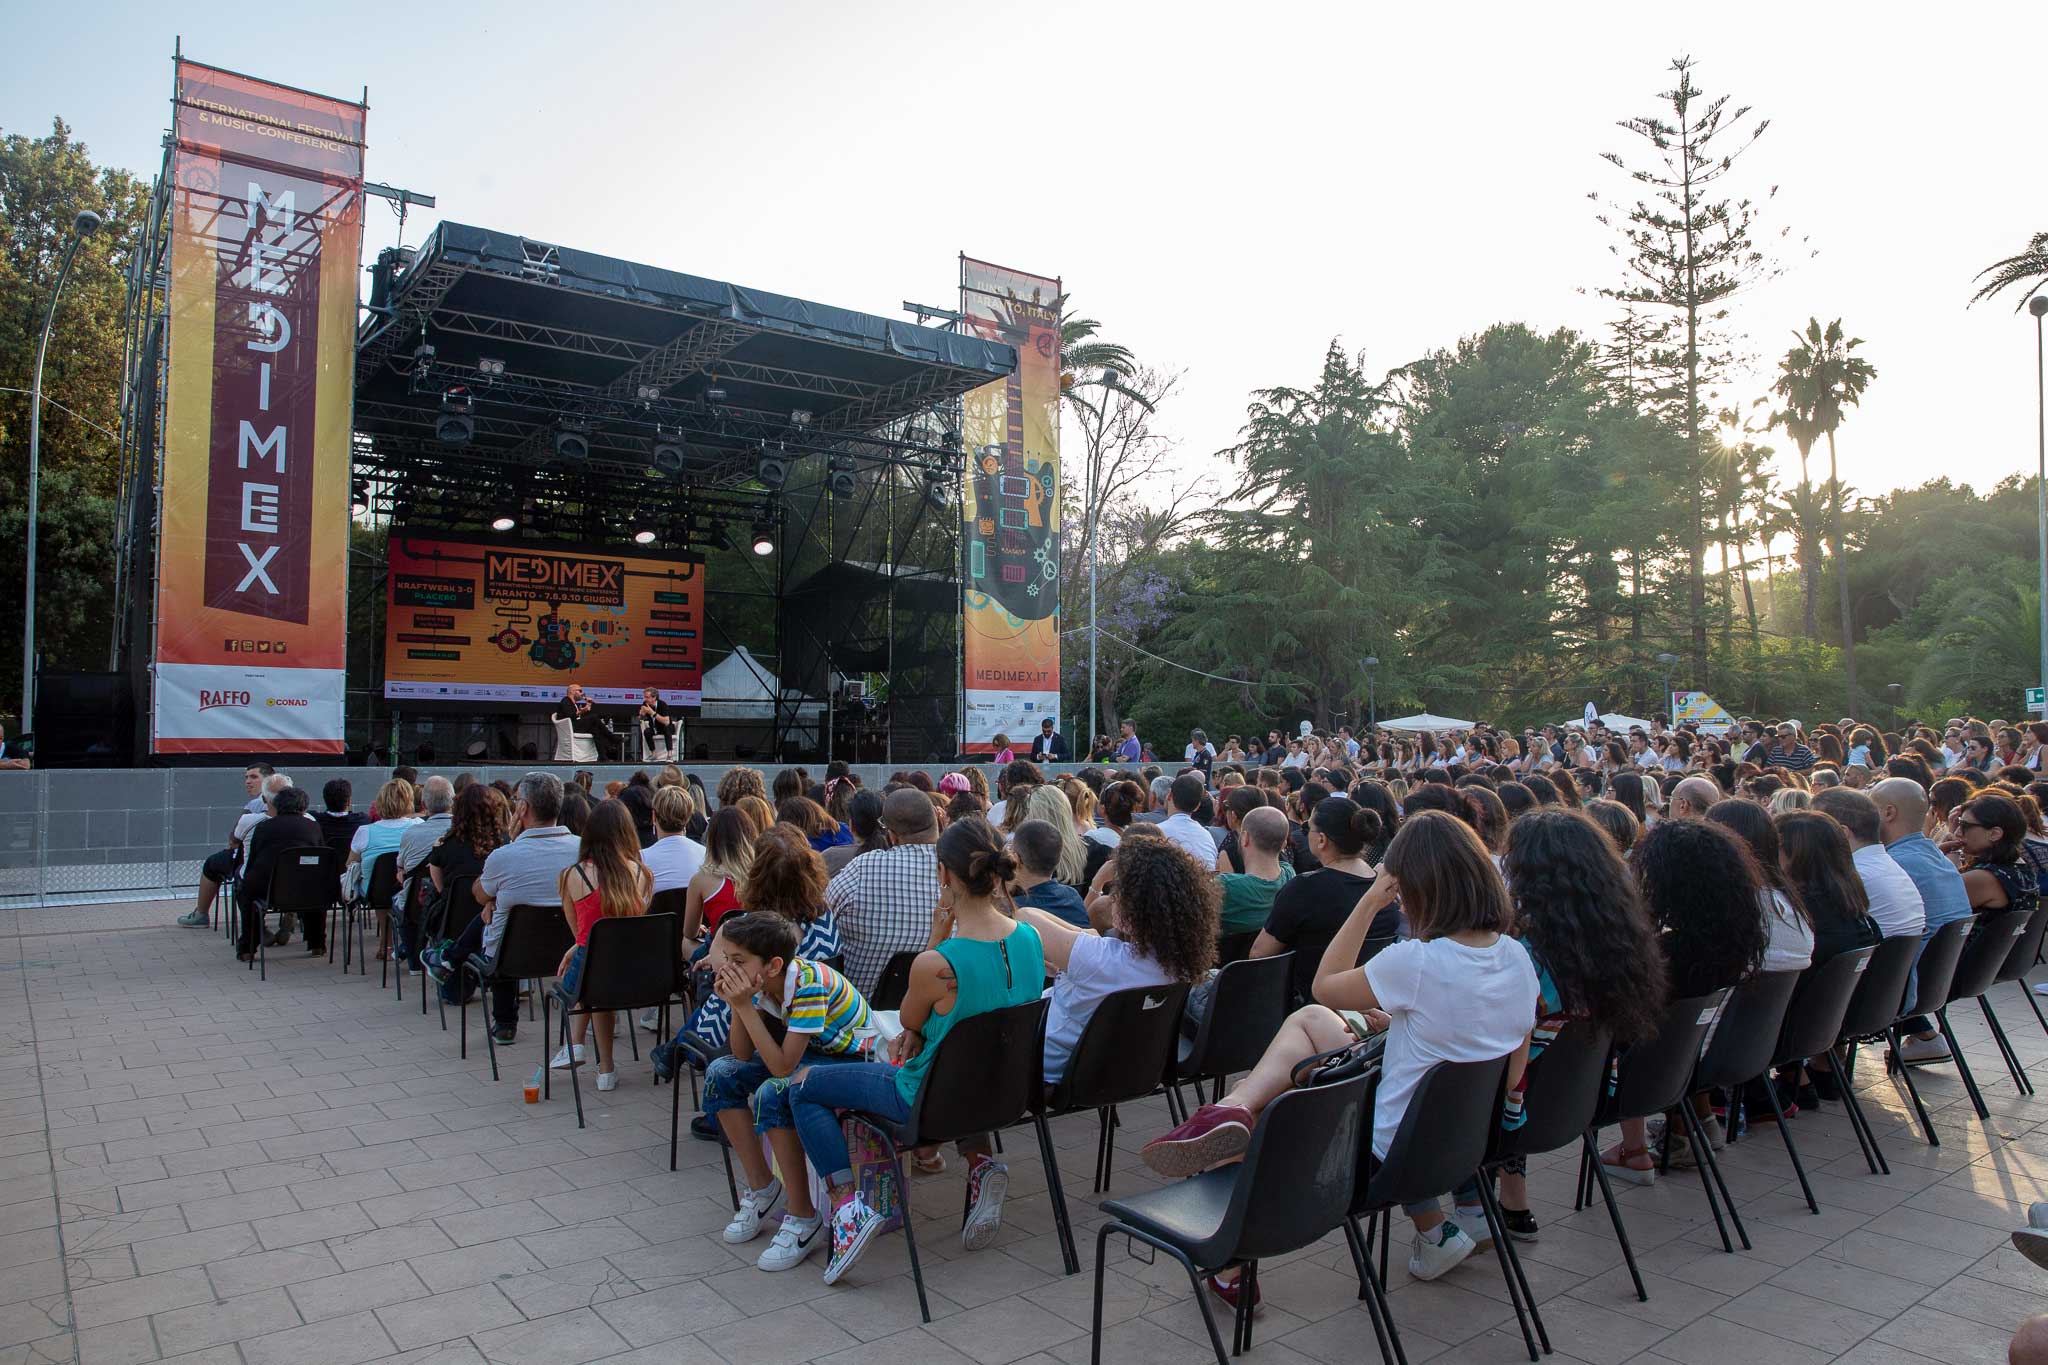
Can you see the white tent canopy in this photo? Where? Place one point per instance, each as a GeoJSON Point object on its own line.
{"type": "Point", "coordinates": [740, 687]}
{"type": "Point", "coordinates": [1616, 722]}
{"type": "Point", "coordinates": [1426, 721]}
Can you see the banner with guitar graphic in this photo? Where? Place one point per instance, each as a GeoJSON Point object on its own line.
{"type": "Point", "coordinates": [1010, 593]}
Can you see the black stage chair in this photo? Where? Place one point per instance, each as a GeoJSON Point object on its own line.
{"type": "Point", "coordinates": [1284, 1195]}
{"type": "Point", "coordinates": [630, 963]}
{"type": "Point", "coordinates": [411, 911]}
{"type": "Point", "coordinates": [378, 888]}
{"type": "Point", "coordinates": [1561, 1094]}
{"type": "Point", "coordinates": [1873, 1006]}
{"type": "Point", "coordinates": [1812, 1023]}
{"type": "Point", "coordinates": [987, 1074]}
{"type": "Point", "coordinates": [535, 940]}
{"type": "Point", "coordinates": [1931, 977]}
{"type": "Point", "coordinates": [1123, 1051]}
{"type": "Point", "coordinates": [2026, 952]}
{"type": "Point", "coordinates": [446, 918]}
{"type": "Point", "coordinates": [1443, 1141]}
{"type": "Point", "coordinates": [894, 982]}
{"type": "Point", "coordinates": [302, 882]}
{"type": "Point", "coordinates": [1655, 1075]}
{"type": "Point", "coordinates": [1993, 940]}
{"type": "Point", "coordinates": [1741, 1050]}
{"type": "Point", "coordinates": [1246, 1008]}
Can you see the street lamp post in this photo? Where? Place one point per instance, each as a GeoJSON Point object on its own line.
{"type": "Point", "coordinates": [2038, 306]}
{"type": "Point", "coordinates": [1107, 379]}
{"type": "Point", "coordinates": [1667, 660]}
{"type": "Point", "coordinates": [1893, 690]}
{"type": "Point", "coordinates": [83, 226]}
{"type": "Point", "coordinates": [1372, 710]}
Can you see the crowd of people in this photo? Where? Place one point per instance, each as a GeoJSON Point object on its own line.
{"type": "Point", "coordinates": [1461, 895]}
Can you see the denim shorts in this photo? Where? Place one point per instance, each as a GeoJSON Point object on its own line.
{"type": "Point", "coordinates": [571, 979]}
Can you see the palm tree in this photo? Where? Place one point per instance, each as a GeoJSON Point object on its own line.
{"type": "Point", "coordinates": [1084, 355]}
{"type": "Point", "coordinates": [2030, 265]}
{"type": "Point", "coordinates": [1820, 379]}
{"type": "Point", "coordinates": [1799, 502]}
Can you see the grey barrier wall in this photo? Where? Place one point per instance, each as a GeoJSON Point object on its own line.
{"type": "Point", "coordinates": [80, 836]}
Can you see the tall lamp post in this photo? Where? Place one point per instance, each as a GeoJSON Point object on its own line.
{"type": "Point", "coordinates": [1667, 660]}
{"type": "Point", "coordinates": [2038, 306]}
{"type": "Point", "coordinates": [1372, 710]}
{"type": "Point", "coordinates": [1893, 690]}
{"type": "Point", "coordinates": [83, 226]}
{"type": "Point", "coordinates": [1107, 379]}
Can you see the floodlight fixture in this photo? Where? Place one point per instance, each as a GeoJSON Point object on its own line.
{"type": "Point", "coordinates": [764, 538]}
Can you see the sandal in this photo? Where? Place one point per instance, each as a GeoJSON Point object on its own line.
{"type": "Point", "coordinates": [935, 1164]}
{"type": "Point", "coordinates": [1619, 1163]}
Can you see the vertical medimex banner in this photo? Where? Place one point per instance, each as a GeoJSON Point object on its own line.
{"type": "Point", "coordinates": [252, 555]}
{"type": "Point", "coordinates": [1010, 593]}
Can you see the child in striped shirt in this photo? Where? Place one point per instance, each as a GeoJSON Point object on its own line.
{"type": "Point", "coordinates": [758, 973]}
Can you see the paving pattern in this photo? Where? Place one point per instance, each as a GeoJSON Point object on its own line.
{"type": "Point", "coordinates": [198, 1166]}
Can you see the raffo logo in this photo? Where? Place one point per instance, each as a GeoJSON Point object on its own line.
{"type": "Point", "coordinates": [209, 699]}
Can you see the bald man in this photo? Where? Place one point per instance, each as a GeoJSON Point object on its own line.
{"type": "Point", "coordinates": [1692, 799]}
{"type": "Point", "coordinates": [882, 902]}
{"type": "Point", "coordinates": [1902, 815]}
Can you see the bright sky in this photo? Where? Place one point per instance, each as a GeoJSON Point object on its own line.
{"type": "Point", "coordinates": [1225, 189]}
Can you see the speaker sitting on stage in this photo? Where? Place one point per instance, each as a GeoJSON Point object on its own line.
{"type": "Point", "coordinates": [659, 725]}
{"type": "Point", "coordinates": [581, 713]}
{"type": "Point", "coordinates": [1049, 746]}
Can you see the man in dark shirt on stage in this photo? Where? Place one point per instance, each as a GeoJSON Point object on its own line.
{"type": "Point", "coordinates": [581, 714]}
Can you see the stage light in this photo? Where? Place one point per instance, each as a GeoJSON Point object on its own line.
{"type": "Point", "coordinates": [487, 366]}
{"type": "Point", "coordinates": [799, 418]}
{"type": "Point", "coordinates": [649, 392]}
{"type": "Point", "coordinates": [764, 538]}
{"type": "Point", "coordinates": [358, 497]}
{"type": "Point", "coordinates": [772, 470]}
{"type": "Point", "coordinates": [935, 491]}
{"type": "Point", "coordinates": [643, 536]}
{"type": "Point", "coordinates": [401, 511]}
{"type": "Point", "coordinates": [668, 457]}
{"type": "Point", "coordinates": [839, 476]}
{"type": "Point", "coordinates": [423, 356]}
{"type": "Point", "coordinates": [504, 516]}
{"type": "Point", "coordinates": [949, 439]}
{"type": "Point", "coordinates": [572, 445]}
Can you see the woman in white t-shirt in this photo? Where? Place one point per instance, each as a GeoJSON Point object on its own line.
{"type": "Point", "coordinates": [1164, 911]}
{"type": "Point", "coordinates": [1460, 990]}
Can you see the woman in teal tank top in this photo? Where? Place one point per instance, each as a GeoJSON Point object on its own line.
{"type": "Point", "coordinates": [979, 960]}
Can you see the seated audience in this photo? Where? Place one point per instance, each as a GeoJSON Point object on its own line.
{"type": "Point", "coordinates": [1309, 911]}
{"type": "Point", "coordinates": [1248, 895]}
{"type": "Point", "coordinates": [607, 881]}
{"type": "Point", "coordinates": [1786, 917]}
{"type": "Point", "coordinates": [882, 902]}
{"type": "Point", "coordinates": [674, 857]}
{"type": "Point", "coordinates": [1036, 846]}
{"type": "Point", "coordinates": [1814, 853]}
{"type": "Point", "coordinates": [1894, 900]}
{"type": "Point", "coordinates": [288, 827]}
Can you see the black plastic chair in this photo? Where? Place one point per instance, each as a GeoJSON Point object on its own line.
{"type": "Point", "coordinates": [1124, 1049]}
{"type": "Point", "coordinates": [1655, 1075]}
{"type": "Point", "coordinates": [302, 882]}
{"type": "Point", "coordinates": [410, 913]}
{"type": "Point", "coordinates": [535, 940]}
{"type": "Point", "coordinates": [1873, 1007]}
{"type": "Point", "coordinates": [378, 889]}
{"type": "Point", "coordinates": [629, 964]}
{"type": "Point", "coordinates": [894, 983]}
{"type": "Point", "coordinates": [987, 1074]}
{"type": "Point", "coordinates": [1235, 947]}
{"type": "Point", "coordinates": [1246, 1009]}
{"type": "Point", "coordinates": [1284, 1195]}
{"type": "Point", "coordinates": [2026, 953]}
{"type": "Point", "coordinates": [1740, 1051]}
{"type": "Point", "coordinates": [1444, 1139]}
{"type": "Point", "coordinates": [1993, 940]}
{"type": "Point", "coordinates": [670, 902]}
{"type": "Point", "coordinates": [1562, 1091]}
{"type": "Point", "coordinates": [1812, 1023]}
{"type": "Point", "coordinates": [1932, 974]}
{"type": "Point", "coordinates": [445, 921]}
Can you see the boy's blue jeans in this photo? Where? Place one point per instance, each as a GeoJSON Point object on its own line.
{"type": "Point", "coordinates": [730, 1083]}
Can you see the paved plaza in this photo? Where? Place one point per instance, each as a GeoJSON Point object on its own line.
{"type": "Point", "coordinates": [196, 1165]}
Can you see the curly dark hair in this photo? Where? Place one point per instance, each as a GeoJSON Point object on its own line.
{"type": "Point", "coordinates": [477, 821]}
{"type": "Point", "coordinates": [1167, 907]}
{"type": "Point", "coordinates": [786, 876]}
{"type": "Point", "coordinates": [1701, 885]}
{"type": "Point", "coordinates": [1578, 910]}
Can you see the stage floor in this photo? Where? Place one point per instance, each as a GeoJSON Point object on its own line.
{"type": "Point", "coordinates": [196, 1165]}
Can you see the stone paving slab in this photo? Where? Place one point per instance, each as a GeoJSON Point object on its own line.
{"type": "Point", "coordinates": [196, 1165]}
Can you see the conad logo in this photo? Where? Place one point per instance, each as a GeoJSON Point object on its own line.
{"type": "Point", "coordinates": [209, 699]}
{"type": "Point", "coordinates": [286, 701]}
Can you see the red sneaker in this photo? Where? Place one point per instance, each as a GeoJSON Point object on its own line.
{"type": "Point", "coordinates": [1213, 1134]}
{"type": "Point", "coordinates": [1226, 1290]}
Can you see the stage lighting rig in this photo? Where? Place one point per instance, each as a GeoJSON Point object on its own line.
{"type": "Point", "coordinates": [572, 442]}
{"type": "Point", "coordinates": [714, 392]}
{"type": "Point", "coordinates": [455, 426]}
{"type": "Point", "coordinates": [764, 538]}
{"type": "Point", "coordinates": [772, 470]}
{"type": "Point", "coordinates": [935, 490]}
{"type": "Point", "coordinates": [800, 418]}
{"type": "Point", "coordinates": [504, 516]}
{"type": "Point", "coordinates": [358, 497]}
{"type": "Point", "coordinates": [649, 392]}
{"type": "Point", "coordinates": [490, 368]}
{"type": "Point", "coordinates": [643, 536]}
{"type": "Point", "coordinates": [839, 476]}
{"type": "Point", "coordinates": [668, 453]}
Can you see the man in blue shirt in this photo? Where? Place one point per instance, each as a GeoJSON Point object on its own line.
{"type": "Point", "coordinates": [1902, 807]}
{"type": "Point", "coordinates": [1130, 751]}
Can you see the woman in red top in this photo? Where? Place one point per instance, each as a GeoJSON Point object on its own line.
{"type": "Point", "coordinates": [715, 890]}
{"type": "Point", "coordinates": [607, 881]}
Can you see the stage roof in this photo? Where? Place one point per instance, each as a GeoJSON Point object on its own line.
{"type": "Point", "coordinates": [635, 356]}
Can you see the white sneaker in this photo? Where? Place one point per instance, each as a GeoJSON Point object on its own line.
{"type": "Point", "coordinates": [1924, 1051]}
{"type": "Point", "coordinates": [1433, 1257]}
{"type": "Point", "coordinates": [794, 1242]}
{"type": "Point", "coordinates": [987, 1183]}
{"type": "Point", "coordinates": [607, 1080]}
{"type": "Point", "coordinates": [560, 1061]}
{"type": "Point", "coordinates": [754, 1206]}
{"type": "Point", "coordinates": [2040, 987]}
{"type": "Point", "coordinates": [650, 1020]}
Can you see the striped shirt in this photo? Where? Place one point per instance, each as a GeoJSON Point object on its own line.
{"type": "Point", "coordinates": [819, 1001]}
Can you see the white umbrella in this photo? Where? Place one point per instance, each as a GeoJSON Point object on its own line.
{"type": "Point", "coordinates": [1616, 722]}
{"type": "Point", "coordinates": [1425, 721]}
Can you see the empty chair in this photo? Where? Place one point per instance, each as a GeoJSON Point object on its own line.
{"type": "Point", "coordinates": [2026, 952]}
{"type": "Point", "coordinates": [1247, 1005]}
{"type": "Point", "coordinates": [1126, 1047]}
{"type": "Point", "coordinates": [1931, 977]}
{"type": "Point", "coordinates": [1284, 1195]}
{"type": "Point", "coordinates": [1873, 1006]}
{"type": "Point", "coordinates": [1655, 1075]}
{"type": "Point", "coordinates": [987, 1074]}
{"type": "Point", "coordinates": [1811, 1026]}
{"type": "Point", "coordinates": [630, 963]}
{"type": "Point", "coordinates": [1993, 939]}
{"type": "Point", "coordinates": [1443, 1141]}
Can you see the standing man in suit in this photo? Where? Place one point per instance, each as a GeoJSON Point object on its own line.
{"type": "Point", "coordinates": [1049, 746]}
{"type": "Point", "coordinates": [288, 828]}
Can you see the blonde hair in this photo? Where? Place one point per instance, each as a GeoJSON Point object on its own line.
{"type": "Point", "coordinates": [394, 800]}
{"type": "Point", "coordinates": [673, 808]}
{"type": "Point", "coordinates": [756, 809]}
{"type": "Point", "coordinates": [669, 776]}
{"type": "Point", "coordinates": [1050, 804]}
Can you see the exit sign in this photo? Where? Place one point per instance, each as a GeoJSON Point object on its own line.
{"type": "Point", "coordinates": [2034, 698]}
